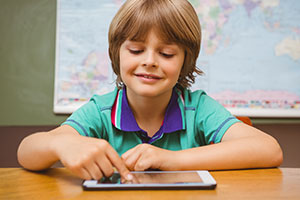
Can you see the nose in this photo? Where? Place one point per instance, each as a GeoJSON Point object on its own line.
{"type": "Point", "coordinates": [150, 59]}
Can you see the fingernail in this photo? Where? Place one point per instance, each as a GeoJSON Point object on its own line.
{"type": "Point", "coordinates": [129, 177]}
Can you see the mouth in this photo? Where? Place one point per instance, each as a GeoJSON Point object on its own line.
{"type": "Point", "coordinates": [148, 76]}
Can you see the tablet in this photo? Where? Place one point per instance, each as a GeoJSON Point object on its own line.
{"type": "Point", "coordinates": [157, 180]}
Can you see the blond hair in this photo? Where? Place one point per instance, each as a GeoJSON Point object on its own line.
{"type": "Point", "coordinates": [173, 20]}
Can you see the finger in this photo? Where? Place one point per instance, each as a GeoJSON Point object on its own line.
{"type": "Point", "coordinates": [118, 162]}
{"type": "Point", "coordinates": [129, 152]}
{"type": "Point", "coordinates": [132, 157]}
{"type": "Point", "coordinates": [82, 173]}
{"type": "Point", "coordinates": [78, 170]}
{"type": "Point", "coordinates": [93, 169]}
{"type": "Point", "coordinates": [143, 163]}
{"type": "Point", "coordinates": [134, 180]}
{"type": "Point", "coordinates": [106, 167]}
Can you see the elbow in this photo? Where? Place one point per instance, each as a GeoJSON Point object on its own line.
{"type": "Point", "coordinates": [276, 154]}
{"type": "Point", "coordinates": [27, 154]}
{"type": "Point", "coordinates": [21, 155]}
{"type": "Point", "coordinates": [278, 158]}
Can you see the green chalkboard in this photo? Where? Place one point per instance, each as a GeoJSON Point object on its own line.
{"type": "Point", "coordinates": [27, 63]}
{"type": "Point", "coordinates": [27, 56]}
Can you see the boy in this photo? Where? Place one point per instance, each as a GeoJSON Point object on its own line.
{"type": "Point", "coordinates": [151, 119]}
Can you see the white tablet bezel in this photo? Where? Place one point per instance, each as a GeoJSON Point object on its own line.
{"type": "Point", "coordinates": [208, 183]}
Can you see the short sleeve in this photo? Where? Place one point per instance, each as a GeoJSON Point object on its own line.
{"type": "Point", "coordinates": [86, 120]}
{"type": "Point", "coordinates": [214, 119]}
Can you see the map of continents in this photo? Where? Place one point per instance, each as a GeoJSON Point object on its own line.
{"type": "Point", "coordinates": [250, 52]}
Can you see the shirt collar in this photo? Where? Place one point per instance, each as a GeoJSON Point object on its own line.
{"type": "Point", "coordinates": [122, 116]}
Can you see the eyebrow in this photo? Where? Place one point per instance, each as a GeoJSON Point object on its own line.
{"type": "Point", "coordinates": [163, 42]}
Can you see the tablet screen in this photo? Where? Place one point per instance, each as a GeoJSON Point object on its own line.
{"type": "Point", "coordinates": [155, 178]}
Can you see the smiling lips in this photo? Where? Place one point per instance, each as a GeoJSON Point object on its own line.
{"type": "Point", "coordinates": [148, 76]}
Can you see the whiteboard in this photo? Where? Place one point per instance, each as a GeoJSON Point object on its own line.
{"type": "Point", "coordinates": [250, 54]}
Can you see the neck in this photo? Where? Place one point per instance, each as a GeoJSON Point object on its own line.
{"type": "Point", "coordinates": [149, 112]}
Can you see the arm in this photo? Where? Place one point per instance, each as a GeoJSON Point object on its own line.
{"type": "Point", "coordinates": [242, 147]}
{"type": "Point", "coordinates": [35, 151]}
{"type": "Point", "coordinates": [86, 157]}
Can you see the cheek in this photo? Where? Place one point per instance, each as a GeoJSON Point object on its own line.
{"type": "Point", "coordinates": [175, 68]}
{"type": "Point", "coordinates": [127, 66]}
{"type": "Point", "coordinates": [123, 70]}
{"type": "Point", "coordinates": [123, 61]}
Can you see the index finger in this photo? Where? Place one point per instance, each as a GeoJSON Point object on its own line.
{"type": "Point", "coordinates": [128, 152]}
{"type": "Point", "coordinates": [119, 164]}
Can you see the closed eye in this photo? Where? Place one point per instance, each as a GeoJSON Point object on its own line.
{"type": "Point", "coordinates": [135, 52]}
{"type": "Point", "coordinates": [166, 55]}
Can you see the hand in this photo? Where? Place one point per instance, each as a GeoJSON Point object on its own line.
{"type": "Point", "coordinates": [146, 156]}
{"type": "Point", "coordinates": [90, 158]}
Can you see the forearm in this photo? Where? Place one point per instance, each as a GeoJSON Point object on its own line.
{"type": "Point", "coordinates": [248, 152]}
{"type": "Point", "coordinates": [35, 153]}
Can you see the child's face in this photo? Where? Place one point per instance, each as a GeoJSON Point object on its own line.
{"type": "Point", "coordinates": [150, 68]}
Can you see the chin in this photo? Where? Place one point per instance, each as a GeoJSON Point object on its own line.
{"type": "Point", "coordinates": [151, 92]}
{"type": "Point", "coordinates": [146, 93]}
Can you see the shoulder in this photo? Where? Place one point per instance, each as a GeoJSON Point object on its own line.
{"type": "Point", "coordinates": [210, 117]}
{"type": "Point", "coordinates": [105, 101]}
{"type": "Point", "coordinates": [93, 117]}
{"type": "Point", "coordinates": [202, 103]}
{"type": "Point", "coordinates": [194, 98]}
{"type": "Point", "coordinates": [95, 107]}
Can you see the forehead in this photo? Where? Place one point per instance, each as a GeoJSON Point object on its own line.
{"type": "Point", "coordinates": [142, 34]}
{"type": "Point", "coordinates": [150, 35]}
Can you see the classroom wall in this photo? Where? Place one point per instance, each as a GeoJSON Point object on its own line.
{"type": "Point", "coordinates": [27, 62]}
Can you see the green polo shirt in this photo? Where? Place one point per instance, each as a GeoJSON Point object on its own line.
{"type": "Point", "coordinates": [192, 119]}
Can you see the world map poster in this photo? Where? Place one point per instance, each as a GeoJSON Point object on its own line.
{"type": "Point", "coordinates": [250, 54]}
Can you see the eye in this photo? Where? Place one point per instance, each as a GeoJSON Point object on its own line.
{"type": "Point", "coordinates": [135, 51]}
{"type": "Point", "coordinates": [167, 55]}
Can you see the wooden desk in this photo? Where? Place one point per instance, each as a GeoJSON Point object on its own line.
{"type": "Point", "coordinates": [59, 183]}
